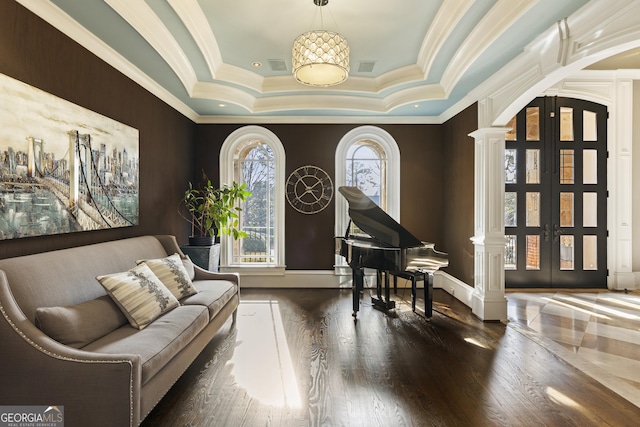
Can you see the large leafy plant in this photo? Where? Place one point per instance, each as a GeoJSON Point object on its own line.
{"type": "Point", "coordinates": [214, 211]}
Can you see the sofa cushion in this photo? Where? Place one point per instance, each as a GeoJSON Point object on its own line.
{"type": "Point", "coordinates": [173, 274]}
{"type": "Point", "coordinates": [159, 342]}
{"type": "Point", "coordinates": [80, 324]}
{"type": "Point", "coordinates": [140, 294]}
{"type": "Point", "coordinates": [213, 294]}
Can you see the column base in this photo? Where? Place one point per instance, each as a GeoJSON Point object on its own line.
{"type": "Point", "coordinates": [622, 281]}
{"type": "Point", "coordinates": [489, 309]}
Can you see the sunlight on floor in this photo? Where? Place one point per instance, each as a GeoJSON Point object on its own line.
{"type": "Point", "coordinates": [562, 399]}
{"type": "Point", "coordinates": [598, 333]}
{"type": "Point", "coordinates": [475, 342]}
{"type": "Point", "coordinates": [261, 361]}
{"type": "Point", "coordinates": [573, 307]}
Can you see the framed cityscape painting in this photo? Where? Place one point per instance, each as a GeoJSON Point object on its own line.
{"type": "Point", "coordinates": [63, 168]}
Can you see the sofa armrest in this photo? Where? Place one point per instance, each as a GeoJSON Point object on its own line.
{"type": "Point", "coordinates": [202, 274]}
{"type": "Point", "coordinates": [95, 389]}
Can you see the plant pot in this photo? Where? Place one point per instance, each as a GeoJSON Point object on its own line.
{"type": "Point", "coordinates": [200, 240]}
{"type": "Point", "coordinates": [207, 257]}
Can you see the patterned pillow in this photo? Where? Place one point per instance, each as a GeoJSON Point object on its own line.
{"type": "Point", "coordinates": [140, 295]}
{"type": "Point", "coordinates": [173, 274]}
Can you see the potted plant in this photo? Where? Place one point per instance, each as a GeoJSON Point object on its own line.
{"type": "Point", "coordinates": [213, 211]}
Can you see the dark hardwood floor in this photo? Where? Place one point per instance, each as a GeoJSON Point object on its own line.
{"type": "Point", "coordinates": [297, 358]}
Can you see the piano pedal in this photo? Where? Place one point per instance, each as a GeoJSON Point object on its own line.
{"type": "Point", "coordinates": [382, 304]}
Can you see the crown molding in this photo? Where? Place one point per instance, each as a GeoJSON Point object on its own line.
{"type": "Point", "coordinates": [68, 26]}
{"type": "Point", "coordinates": [144, 20]}
{"type": "Point", "coordinates": [361, 120]}
{"type": "Point", "coordinates": [190, 12]}
{"type": "Point", "coordinates": [496, 22]}
{"type": "Point", "coordinates": [445, 22]}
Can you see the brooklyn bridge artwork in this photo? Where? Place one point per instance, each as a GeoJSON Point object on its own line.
{"type": "Point", "coordinates": [63, 168]}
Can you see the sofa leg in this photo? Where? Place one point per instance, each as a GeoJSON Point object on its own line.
{"type": "Point", "coordinates": [234, 316]}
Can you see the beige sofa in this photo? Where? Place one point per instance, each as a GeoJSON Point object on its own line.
{"type": "Point", "coordinates": [115, 379]}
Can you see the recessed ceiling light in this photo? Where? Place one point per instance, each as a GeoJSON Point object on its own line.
{"type": "Point", "coordinates": [221, 105]}
{"type": "Point", "coordinates": [256, 64]}
{"type": "Point", "coordinates": [416, 105]}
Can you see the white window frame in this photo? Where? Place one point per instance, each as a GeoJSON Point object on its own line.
{"type": "Point", "coordinates": [390, 146]}
{"type": "Point", "coordinates": [229, 147]}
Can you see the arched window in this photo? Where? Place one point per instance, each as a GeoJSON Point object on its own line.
{"type": "Point", "coordinates": [367, 157]}
{"type": "Point", "coordinates": [254, 156]}
{"type": "Point", "coordinates": [366, 168]}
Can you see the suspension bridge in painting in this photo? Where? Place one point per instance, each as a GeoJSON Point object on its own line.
{"type": "Point", "coordinates": [87, 188]}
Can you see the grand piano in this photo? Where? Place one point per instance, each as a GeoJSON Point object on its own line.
{"type": "Point", "coordinates": [388, 248]}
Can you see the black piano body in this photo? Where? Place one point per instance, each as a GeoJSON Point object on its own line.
{"type": "Point", "coordinates": [388, 248]}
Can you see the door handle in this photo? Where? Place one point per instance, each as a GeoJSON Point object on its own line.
{"type": "Point", "coordinates": [556, 232]}
{"type": "Point", "coordinates": [545, 233]}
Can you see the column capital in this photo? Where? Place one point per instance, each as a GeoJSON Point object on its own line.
{"type": "Point", "coordinates": [484, 132]}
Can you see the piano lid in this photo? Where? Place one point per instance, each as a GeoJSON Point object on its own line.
{"type": "Point", "coordinates": [371, 219]}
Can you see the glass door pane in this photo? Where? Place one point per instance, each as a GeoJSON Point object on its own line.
{"type": "Point", "coordinates": [590, 252]}
{"type": "Point", "coordinates": [533, 209]}
{"type": "Point", "coordinates": [590, 167]}
{"type": "Point", "coordinates": [533, 252]}
{"type": "Point", "coordinates": [589, 126]}
{"type": "Point", "coordinates": [533, 166]}
{"type": "Point", "coordinates": [511, 253]}
{"type": "Point", "coordinates": [566, 210]}
{"type": "Point", "coordinates": [566, 124]}
{"type": "Point", "coordinates": [566, 253]}
{"type": "Point", "coordinates": [511, 209]}
{"type": "Point", "coordinates": [590, 210]}
{"type": "Point", "coordinates": [566, 167]}
{"type": "Point", "coordinates": [510, 166]}
{"type": "Point", "coordinates": [533, 124]}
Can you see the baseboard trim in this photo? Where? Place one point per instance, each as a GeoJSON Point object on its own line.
{"type": "Point", "coordinates": [327, 279]}
{"type": "Point", "coordinates": [457, 288]}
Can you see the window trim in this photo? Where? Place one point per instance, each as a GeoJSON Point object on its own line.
{"type": "Point", "coordinates": [231, 143]}
{"type": "Point", "coordinates": [392, 151]}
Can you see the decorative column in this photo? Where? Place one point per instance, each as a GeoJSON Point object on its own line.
{"type": "Point", "coordinates": [620, 189]}
{"type": "Point", "coordinates": [488, 301]}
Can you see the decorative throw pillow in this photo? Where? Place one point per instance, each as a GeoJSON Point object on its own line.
{"type": "Point", "coordinates": [173, 274]}
{"type": "Point", "coordinates": [140, 295]}
{"type": "Point", "coordinates": [188, 265]}
{"type": "Point", "coordinates": [80, 324]}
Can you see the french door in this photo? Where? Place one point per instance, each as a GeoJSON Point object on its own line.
{"type": "Point", "coordinates": [556, 195]}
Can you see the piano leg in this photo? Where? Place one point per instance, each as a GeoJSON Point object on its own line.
{"type": "Point", "coordinates": [387, 296]}
{"type": "Point", "coordinates": [428, 295]}
{"type": "Point", "coordinates": [413, 293]}
{"type": "Point", "coordinates": [357, 284]}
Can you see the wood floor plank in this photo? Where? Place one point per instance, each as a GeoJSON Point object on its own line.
{"type": "Point", "coordinates": [320, 367]}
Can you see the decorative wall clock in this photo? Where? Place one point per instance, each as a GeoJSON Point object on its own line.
{"type": "Point", "coordinates": [309, 189]}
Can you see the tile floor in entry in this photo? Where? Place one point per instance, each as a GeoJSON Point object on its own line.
{"type": "Point", "coordinates": [597, 332]}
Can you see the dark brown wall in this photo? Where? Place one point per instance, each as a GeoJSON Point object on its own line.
{"type": "Point", "coordinates": [309, 238]}
{"type": "Point", "coordinates": [435, 159]}
{"type": "Point", "coordinates": [459, 201]}
{"type": "Point", "coordinates": [36, 53]}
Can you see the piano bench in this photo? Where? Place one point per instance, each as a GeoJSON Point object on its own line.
{"type": "Point", "coordinates": [415, 276]}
